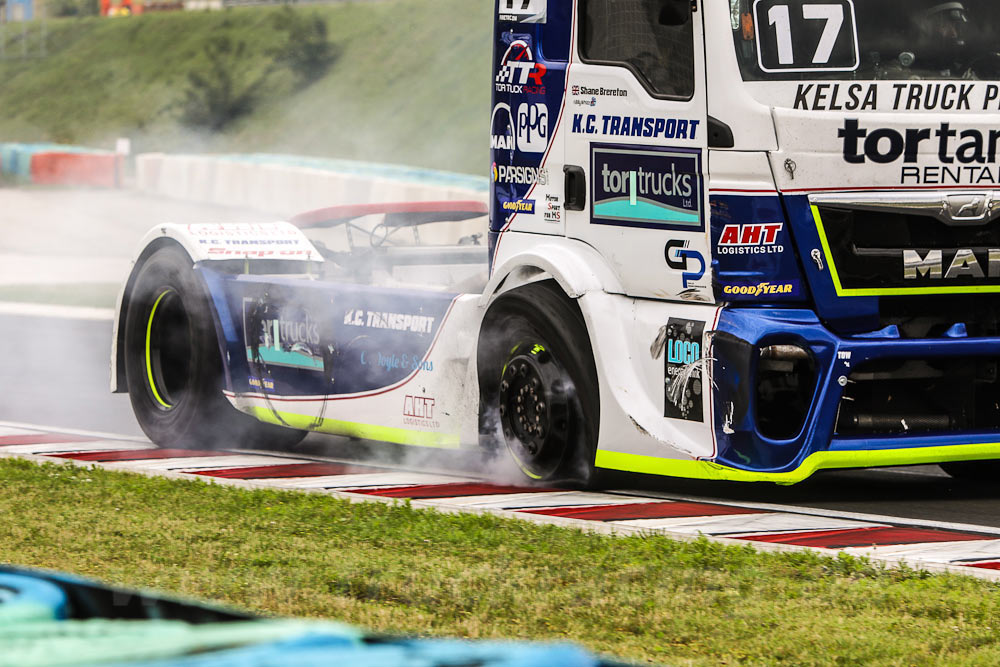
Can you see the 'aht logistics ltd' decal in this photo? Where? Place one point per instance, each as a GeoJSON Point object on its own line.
{"type": "Point", "coordinates": [419, 411]}
{"type": "Point", "coordinates": [750, 239]}
{"type": "Point", "coordinates": [519, 73]}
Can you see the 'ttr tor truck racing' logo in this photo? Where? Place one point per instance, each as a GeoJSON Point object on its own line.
{"type": "Point", "coordinates": [646, 187]}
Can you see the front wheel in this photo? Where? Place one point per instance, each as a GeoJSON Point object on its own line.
{"type": "Point", "coordinates": [538, 384]}
{"type": "Point", "coordinates": [173, 363]}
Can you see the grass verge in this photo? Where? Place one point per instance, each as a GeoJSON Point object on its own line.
{"type": "Point", "coordinates": [410, 82]}
{"type": "Point", "coordinates": [397, 569]}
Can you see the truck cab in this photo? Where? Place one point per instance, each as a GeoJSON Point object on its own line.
{"type": "Point", "coordinates": [776, 217]}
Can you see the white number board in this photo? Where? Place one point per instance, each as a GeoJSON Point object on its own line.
{"type": "Point", "coordinates": [806, 35]}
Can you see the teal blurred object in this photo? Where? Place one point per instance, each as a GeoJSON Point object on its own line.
{"type": "Point", "coordinates": [49, 619]}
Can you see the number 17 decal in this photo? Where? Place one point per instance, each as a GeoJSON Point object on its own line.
{"type": "Point", "coordinates": [522, 11]}
{"type": "Point", "coordinates": [806, 35]}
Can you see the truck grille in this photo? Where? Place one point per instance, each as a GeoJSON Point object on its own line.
{"type": "Point", "coordinates": [886, 249]}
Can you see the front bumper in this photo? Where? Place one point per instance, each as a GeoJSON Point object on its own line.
{"type": "Point", "coordinates": [826, 434]}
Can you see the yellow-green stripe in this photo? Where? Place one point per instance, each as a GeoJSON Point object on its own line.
{"type": "Point", "coordinates": [400, 436]}
{"type": "Point", "coordinates": [820, 460]}
{"type": "Point", "coordinates": [149, 361]}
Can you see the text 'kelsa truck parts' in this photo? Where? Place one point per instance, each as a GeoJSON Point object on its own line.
{"type": "Point", "coordinates": [727, 239]}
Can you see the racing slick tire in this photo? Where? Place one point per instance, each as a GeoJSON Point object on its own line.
{"type": "Point", "coordinates": [173, 363]}
{"type": "Point", "coordinates": [538, 384]}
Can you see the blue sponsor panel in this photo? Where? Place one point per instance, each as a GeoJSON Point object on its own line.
{"type": "Point", "coordinates": [851, 314]}
{"type": "Point", "coordinates": [753, 254]}
{"type": "Point", "coordinates": [297, 338]}
{"type": "Point", "coordinates": [530, 54]}
{"type": "Point", "coordinates": [644, 186]}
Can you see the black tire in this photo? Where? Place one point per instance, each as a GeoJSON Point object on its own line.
{"type": "Point", "coordinates": [173, 364]}
{"type": "Point", "coordinates": [974, 471]}
{"type": "Point", "coordinates": [538, 384]}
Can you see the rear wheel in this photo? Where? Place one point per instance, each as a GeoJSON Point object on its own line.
{"type": "Point", "coordinates": [538, 384]}
{"type": "Point", "coordinates": [173, 363]}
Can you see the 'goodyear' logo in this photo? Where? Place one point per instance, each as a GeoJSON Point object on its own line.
{"type": "Point", "coordinates": [759, 289]}
{"type": "Point", "coordinates": [520, 206]}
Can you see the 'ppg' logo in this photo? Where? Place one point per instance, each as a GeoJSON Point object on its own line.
{"type": "Point", "coordinates": [678, 258]}
{"type": "Point", "coordinates": [532, 127]}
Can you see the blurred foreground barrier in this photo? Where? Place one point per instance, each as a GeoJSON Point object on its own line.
{"type": "Point", "coordinates": [285, 185]}
{"type": "Point", "coordinates": [49, 619]}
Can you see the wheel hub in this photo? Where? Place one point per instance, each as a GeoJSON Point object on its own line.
{"type": "Point", "coordinates": [534, 407]}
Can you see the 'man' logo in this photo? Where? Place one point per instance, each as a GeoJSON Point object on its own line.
{"type": "Point", "coordinates": [420, 407]}
{"type": "Point", "coordinates": [764, 234]}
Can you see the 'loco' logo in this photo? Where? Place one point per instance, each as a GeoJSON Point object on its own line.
{"type": "Point", "coordinates": [682, 371]}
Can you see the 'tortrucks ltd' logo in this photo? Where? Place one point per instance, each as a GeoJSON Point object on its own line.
{"type": "Point", "coordinates": [646, 187]}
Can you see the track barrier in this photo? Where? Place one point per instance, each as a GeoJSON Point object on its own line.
{"type": "Point", "coordinates": [285, 185]}
{"type": "Point", "coordinates": [56, 164]}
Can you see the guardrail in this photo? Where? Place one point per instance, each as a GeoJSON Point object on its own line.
{"type": "Point", "coordinates": [284, 184]}
{"type": "Point", "coordinates": [269, 183]}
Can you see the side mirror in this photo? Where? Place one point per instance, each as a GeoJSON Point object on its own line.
{"type": "Point", "coordinates": [675, 12]}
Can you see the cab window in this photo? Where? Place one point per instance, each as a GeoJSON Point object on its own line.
{"type": "Point", "coordinates": [629, 33]}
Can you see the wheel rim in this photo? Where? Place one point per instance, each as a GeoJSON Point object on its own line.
{"type": "Point", "coordinates": [167, 349]}
{"type": "Point", "coordinates": [535, 403]}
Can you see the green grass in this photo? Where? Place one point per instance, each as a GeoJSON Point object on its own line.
{"type": "Point", "coordinates": [397, 569]}
{"type": "Point", "coordinates": [411, 85]}
{"type": "Point", "coordinates": [93, 295]}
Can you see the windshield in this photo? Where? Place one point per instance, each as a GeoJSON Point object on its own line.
{"type": "Point", "coordinates": [866, 39]}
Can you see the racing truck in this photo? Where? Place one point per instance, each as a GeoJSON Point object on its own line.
{"type": "Point", "coordinates": [725, 239]}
